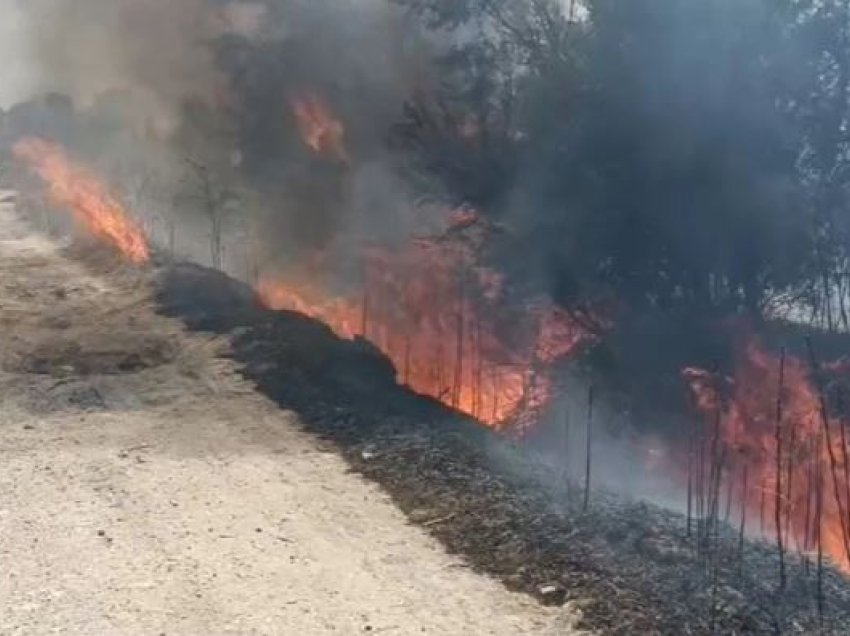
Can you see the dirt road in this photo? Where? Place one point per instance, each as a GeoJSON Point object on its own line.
{"type": "Point", "coordinates": [146, 489]}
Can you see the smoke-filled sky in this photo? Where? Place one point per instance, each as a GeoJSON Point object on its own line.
{"type": "Point", "coordinates": [18, 79]}
{"type": "Point", "coordinates": [85, 47]}
{"type": "Point", "coordinates": [164, 58]}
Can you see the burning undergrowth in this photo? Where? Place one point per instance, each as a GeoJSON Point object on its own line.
{"type": "Point", "coordinates": [478, 308]}
{"type": "Point", "coordinates": [631, 566]}
{"type": "Point", "coordinates": [430, 315]}
{"type": "Point", "coordinates": [776, 439]}
{"type": "Point", "coordinates": [77, 191]}
{"type": "Point", "coordinates": [446, 323]}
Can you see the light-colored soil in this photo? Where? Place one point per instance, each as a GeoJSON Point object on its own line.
{"type": "Point", "coordinates": [146, 489]}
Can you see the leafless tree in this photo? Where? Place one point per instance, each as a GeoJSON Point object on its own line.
{"type": "Point", "coordinates": [215, 202]}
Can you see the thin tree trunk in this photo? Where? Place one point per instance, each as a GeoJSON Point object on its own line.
{"type": "Point", "coordinates": [589, 448]}
{"type": "Point", "coordinates": [778, 499]}
{"type": "Point", "coordinates": [691, 437]}
{"type": "Point", "coordinates": [830, 450]}
{"type": "Point", "coordinates": [566, 471]}
{"type": "Point", "coordinates": [743, 528]}
{"type": "Point", "coordinates": [819, 529]}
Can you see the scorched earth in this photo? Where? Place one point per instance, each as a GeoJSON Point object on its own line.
{"type": "Point", "coordinates": [146, 489]}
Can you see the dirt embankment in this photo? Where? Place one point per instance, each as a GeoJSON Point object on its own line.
{"type": "Point", "coordinates": [146, 489]}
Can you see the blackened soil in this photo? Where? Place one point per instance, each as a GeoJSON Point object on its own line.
{"type": "Point", "coordinates": [630, 566]}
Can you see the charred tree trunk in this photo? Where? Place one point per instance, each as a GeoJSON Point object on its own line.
{"type": "Point", "coordinates": [778, 499]}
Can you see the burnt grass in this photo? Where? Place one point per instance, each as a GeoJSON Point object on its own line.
{"type": "Point", "coordinates": [628, 565]}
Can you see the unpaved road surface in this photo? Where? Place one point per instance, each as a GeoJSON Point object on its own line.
{"type": "Point", "coordinates": [146, 489]}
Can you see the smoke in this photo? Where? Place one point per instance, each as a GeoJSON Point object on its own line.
{"type": "Point", "coordinates": [157, 49]}
{"type": "Point", "coordinates": [185, 108]}
{"type": "Point", "coordinates": [18, 79]}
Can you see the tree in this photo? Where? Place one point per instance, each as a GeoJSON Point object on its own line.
{"type": "Point", "coordinates": [654, 147]}
{"type": "Point", "coordinates": [215, 202]}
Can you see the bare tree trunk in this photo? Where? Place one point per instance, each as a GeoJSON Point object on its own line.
{"type": "Point", "coordinates": [819, 528]}
{"type": "Point", "coordinates": [830, 450]}
{"type": "Point", "coordinates": [458, 379]}
{"type": "Point", "coordinates": [690, 479]}
{"type": "Point", "coordinates": [566, 441]}
{"type": "Point", "coordinates": [364, 315]}
{"type": "Point", "coordinates": [743, 527]}
{"type": "Point", "coordinates": [778, 499]}
{"type": "Point", "coordinates": [589, 448]}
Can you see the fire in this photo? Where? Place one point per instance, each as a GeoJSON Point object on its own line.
{"type": "Point", "coordinates": [74, 188]}
{"type": "Point", "coordinates": [812, 470]}
{"type": "Point", "coordinates": [320, 130]}
{"type": "Point", "coordinates": [440, 319]}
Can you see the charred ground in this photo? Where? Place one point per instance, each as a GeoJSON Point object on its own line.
{"type": "Point", "coordinates": [629, 564]}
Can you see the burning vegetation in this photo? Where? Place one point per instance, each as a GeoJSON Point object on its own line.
{"type": "Point", "coordinates": [320, 130]}
{"type": "Point", "coordinates": [78, 191]}
{"type": "Point", "coordinates": [443, 320]}
{"type": "Point", "coordinates": [614, 179]}
{"type": "Point", "coordinates": [772, 443]}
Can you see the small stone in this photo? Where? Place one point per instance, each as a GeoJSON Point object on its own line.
{"type": "Point", "coordinates": [101, 533]}
{"type": "Point", "coordinates": [29, 427]}
{"type": "Point", "coordinates": [552, 594]}
{"type": "Point", "coordinates": [420, 515]}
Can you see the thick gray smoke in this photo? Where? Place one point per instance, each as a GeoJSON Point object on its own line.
{"type": "Point", "coordinates": [173, 93]}
{"type": "Point", "coordinates": [84, 48]}
{"type": "Point", "coordinates": [186, 109]}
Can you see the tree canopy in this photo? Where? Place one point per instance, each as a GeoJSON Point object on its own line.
{"type": "Point", "coordinates": [669, 153]}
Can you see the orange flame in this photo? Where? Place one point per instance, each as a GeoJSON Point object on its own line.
{"type": "Point", "coordinates": [320, 130]}
{"type": "Point", "coordinates": [811, 460]}
{"type": "Point", "coordinates": [76, 189]}
{"type": "Point", "coordinates": [438, 317]}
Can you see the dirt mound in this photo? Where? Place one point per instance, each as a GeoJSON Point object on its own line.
{"type": "Point", "coordinates": [211, 301]}
{"type": "Point", "coordinates": [206, 299]}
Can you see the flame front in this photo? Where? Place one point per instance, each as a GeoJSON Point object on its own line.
{"type": "Point", "coordinates": [320, 130]}
{"type": "Point", "coordinates": [811, 476]}
{"type": "Point", "coordinates": [75, 189]}
{"type": "Point", "coordinates": [435, 315]}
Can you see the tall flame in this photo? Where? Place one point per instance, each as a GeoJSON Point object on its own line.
{"type": "Point", "coordinates": [319, 128]}
{"type": "Point", "coordinates": [813, 454]}
{"type": "Point", "coordinates": [75, 189]}
{"type": "Point", "coordinates": [436, 315]}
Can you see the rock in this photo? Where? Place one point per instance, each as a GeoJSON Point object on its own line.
{"type": "Point", "coordinates": [552, 594]}
{"type": "Point", "coordinates": [420, 515]}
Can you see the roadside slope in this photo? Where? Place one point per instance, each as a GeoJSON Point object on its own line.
{"type": "Point", "coordinates": [146, 489]}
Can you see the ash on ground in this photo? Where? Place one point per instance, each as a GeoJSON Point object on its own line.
{"type": "Point", "coordinates": [632, 567]}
